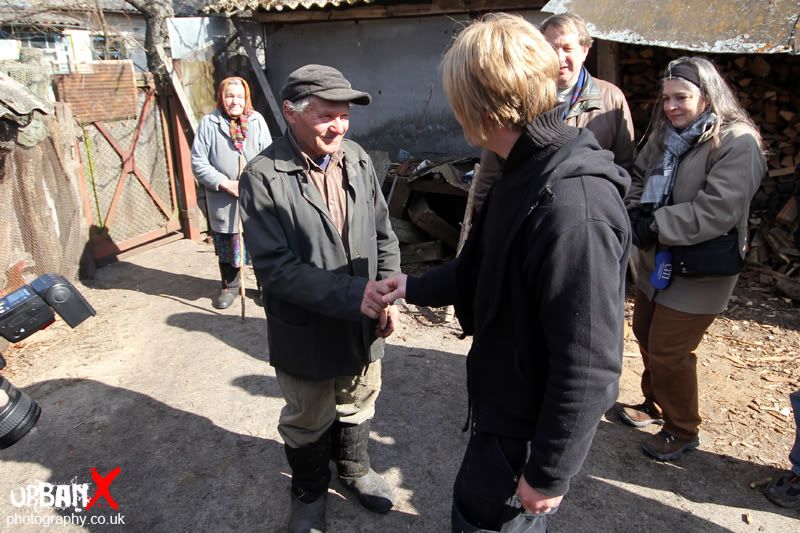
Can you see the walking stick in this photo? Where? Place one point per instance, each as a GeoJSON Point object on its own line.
{"type": "Point", "coordinates": [241, 237]}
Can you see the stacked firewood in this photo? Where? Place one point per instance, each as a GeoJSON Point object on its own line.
{"type": "Point", "coordinates": [766, 85]}
{"type": "Point", "coordinates": [427, 200]}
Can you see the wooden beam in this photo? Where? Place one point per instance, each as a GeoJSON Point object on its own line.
{"type": "Point", "coordinates": [421, 252]}
{"type": "Point", "coordinates": [266, 89]}
{"type": "Point", "coordinates": [796, 42]}
{"type": "Point", "coordinates": [190, 211]}
{"type": "Point", "coordinates": [607, 68]}
{"type": "Point", "coordinates": [407, 232]}
{"type": "Point", "coordinates": [398, 196]}
{"type": "Point", "coordinates": [177, 86]}
{"type": "Point", "coordinates": [423, 216]}
{"type": "Point", "coordinates": [436, 7]}
{"type": "Point", "coordinates": [438, 186]}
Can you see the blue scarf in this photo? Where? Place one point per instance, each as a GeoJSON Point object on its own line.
{"type": "Point", "coordinates": [658, 188]}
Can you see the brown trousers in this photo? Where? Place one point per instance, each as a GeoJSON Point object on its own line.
{"type": "Point", "coordinates": [667, 340]}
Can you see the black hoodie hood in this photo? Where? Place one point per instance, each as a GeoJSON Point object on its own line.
{"type": "Point", "coordinates": [541, 145]}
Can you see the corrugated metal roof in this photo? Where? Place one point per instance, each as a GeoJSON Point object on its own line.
{"type": "Point", "coordinates": [17, 102]}
{"type": "Point", "coordinates": [278, 5]}
{"type": "Point", "coordinates": [118, 6]}
{"type": "Point", "coordinates": [44, 20]}
{"type": "Point", "coordinates": [714, 26]}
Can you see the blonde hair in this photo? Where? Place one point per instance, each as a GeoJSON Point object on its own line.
{"type": "Point", "coordinates": [720, 97]}
{"type": "Point", "coordinates": [569, 22]}
{"type": "Point", "coordinates": [499, 71]}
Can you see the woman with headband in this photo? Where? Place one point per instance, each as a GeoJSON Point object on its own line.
{"type": "Point", "coordinates": [688, 205]}
{"type": "Point", "coordinates": [227, 138]}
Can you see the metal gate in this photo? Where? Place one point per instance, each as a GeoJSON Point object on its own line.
{"type": "Point", "coordinates": [127, 169]}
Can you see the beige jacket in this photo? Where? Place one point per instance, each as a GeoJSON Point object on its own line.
{"type": "Point", "coordinates": [601, 108]}
{"type": "Point", "coordinates": [712, 193]}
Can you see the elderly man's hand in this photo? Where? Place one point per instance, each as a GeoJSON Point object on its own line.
{"type": "Point", "coordinates": [387, 322]}
{"type": "Point", "coordinates": [372, 304]}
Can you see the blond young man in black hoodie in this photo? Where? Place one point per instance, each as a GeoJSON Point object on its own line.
{"type": "Point", "coordinates": [539, 283]}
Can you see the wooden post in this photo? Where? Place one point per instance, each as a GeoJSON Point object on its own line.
{"type": "Point", "coordinates": [607, 62]}
{"type": "Point", "coordinates": [178, 88]}
{"type": "Point", "coordinates": [190, 213]}
{"type": "Point", "coordinates": [466, 224]}
{"type": "Point", "coordinates": [266, 89]}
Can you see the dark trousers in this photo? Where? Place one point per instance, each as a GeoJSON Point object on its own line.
{"type": "Point", "coordinates": [484, 495]}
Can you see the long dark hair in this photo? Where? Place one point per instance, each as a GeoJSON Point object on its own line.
{"type": "Point", "coordinates": [719, 95]}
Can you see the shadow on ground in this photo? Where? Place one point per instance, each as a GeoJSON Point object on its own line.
{"type": "Point", "coordinates": [179, 471]}
{"type": "Point", "coordinates": [247, 336]}
{"type": "Point", "coordinates": [138, 278]}
{"type": "Point", "coordinates": [617, 467]}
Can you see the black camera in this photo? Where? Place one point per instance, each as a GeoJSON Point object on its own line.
{"type": "Point", "coordinates": [22, 313]}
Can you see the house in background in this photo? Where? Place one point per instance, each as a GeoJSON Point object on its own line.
{"type": "Point", "coordinates": [70, 33]}
{"type": "Point", "coordinates": [390, 49]}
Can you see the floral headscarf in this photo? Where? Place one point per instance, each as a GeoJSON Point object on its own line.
{"type": "Point", "coordinates": [238, 125]}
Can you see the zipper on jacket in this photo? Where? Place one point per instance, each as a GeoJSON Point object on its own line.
{"type": "Point", "coordinates": [547, 191]}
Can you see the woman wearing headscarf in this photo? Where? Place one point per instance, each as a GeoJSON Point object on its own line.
{"type": "Point", "coordinates": [227, 138]}
{"type": "Point", "coordinates": [691, 191]}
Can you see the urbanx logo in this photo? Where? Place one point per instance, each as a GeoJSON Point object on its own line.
{"type": "Point", "coordinates": [65, 496]}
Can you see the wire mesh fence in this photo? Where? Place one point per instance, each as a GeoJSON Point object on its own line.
{"type": "Point", "coordinates": [42, 229]}
{"type": "Point", "coordinates": [41, 224]}
{"type": "Point", "coordinates": [125, 167]}
{"type": "Point", "coordinates": [117, 181]}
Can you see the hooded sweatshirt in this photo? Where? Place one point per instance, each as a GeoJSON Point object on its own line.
{"type": "Point", "coordinates": [540, 284]}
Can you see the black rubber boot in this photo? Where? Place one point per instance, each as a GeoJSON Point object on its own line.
{"type": "Point", "coordinates": [349, 450]}
{"type": "Point", "coordinates": [310, 478]}
{"type": "Point", "coordinates": [231, 280]}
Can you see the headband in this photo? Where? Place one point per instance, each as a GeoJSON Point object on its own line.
{"type": "Point", "coordinates": [684, 71]}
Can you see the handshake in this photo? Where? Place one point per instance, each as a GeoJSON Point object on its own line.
{"type": "Point", "coordinates": [378, 299]}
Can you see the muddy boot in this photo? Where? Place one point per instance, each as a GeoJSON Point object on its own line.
{"type": "Point", "coordinates": [307, 517]}
{"type": "Point", "coordinates": [231, 279]}
{"type": "Point", "coordinates": [349, 450]}
{"type": "Point", "coordinates": [310, 478]}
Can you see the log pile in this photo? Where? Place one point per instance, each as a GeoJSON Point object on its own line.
{"type": "Point", "coordinates": [766, 85]}
{"type": "Point", "coordinates": [427, 200]}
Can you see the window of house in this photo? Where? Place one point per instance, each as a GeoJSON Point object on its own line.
{"type": "Point", "coordinates": [108, 47]}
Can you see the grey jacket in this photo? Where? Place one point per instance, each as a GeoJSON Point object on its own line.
{"type": "Point", "coordinates": [214, 159]}
{"type": "Point", "coordinates": [316, 329]}
{"type": "Point", "coordinates": [712, 193]}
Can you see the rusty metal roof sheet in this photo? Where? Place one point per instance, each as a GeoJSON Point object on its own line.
{"type": "Point", "coordinates": [278, 5]}
{"type": "Point", "coordinates": [17, 102]}
{"type": "Point", "coordinates": [38, 19]}
{"type": "Point", "coordinates": [714, 26]}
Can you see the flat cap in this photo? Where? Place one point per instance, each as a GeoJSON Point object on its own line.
{"type": "Point", "coordinates": [323, 82]}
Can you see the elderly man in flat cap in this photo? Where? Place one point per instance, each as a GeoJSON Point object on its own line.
{"type": "Point", "coordinates": [318, 231]}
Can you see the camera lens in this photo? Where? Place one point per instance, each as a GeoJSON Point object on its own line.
{"type": "Point", "coordinates": [18, 413]}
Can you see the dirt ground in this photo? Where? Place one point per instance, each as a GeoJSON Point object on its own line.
{"type": "Point", "coordinates": [180, 396]}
